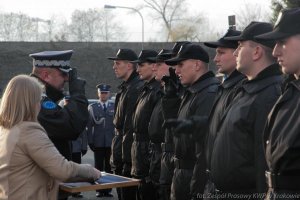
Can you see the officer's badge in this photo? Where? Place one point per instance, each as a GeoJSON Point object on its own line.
{"type": "Point", "coordinates": [49, 105]}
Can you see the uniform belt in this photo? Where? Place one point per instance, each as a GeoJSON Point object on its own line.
{"type": "Point", "coordinates": [184, 164]}
{"type": "Point", "coordinates": [282, 182]}
{"type": "Point", "coordinates": [140, 137]}
{"type": "Point", "coordinates": [167, 147]}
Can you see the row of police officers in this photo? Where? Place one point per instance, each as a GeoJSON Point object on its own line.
{"type": "Point", "coordinates": [194, 137]}
{"type": "Point", "coordinates": [181, 131]}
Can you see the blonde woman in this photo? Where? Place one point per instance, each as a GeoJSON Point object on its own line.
{"type": "Point", "coordinates": [30, 165]}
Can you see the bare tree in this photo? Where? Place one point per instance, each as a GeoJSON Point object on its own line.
{"type": "Point", "coordinates": [111, 29]}
{"type": "Point", "coordinates": [18, 27]}
{"type": "Point", "coordinates": [278, 5]}
{"type": "Point", "coordinates": [176, 21]}
{"type": "Point", "coordinates": [251, 12]}
{"type": "Point", "coordinates": [168, 12]}
{"type": "Point", "coordinates": [94, 25]}
{"type": "Point", "coordinates": [6, 21]}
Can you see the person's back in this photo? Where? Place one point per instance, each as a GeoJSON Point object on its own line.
{"type": "Point", "coordinates": [30, 165]}
{"type": "Point", "coordinates": [29, 174]}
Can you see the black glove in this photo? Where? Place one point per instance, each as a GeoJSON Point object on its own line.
{"type": "Point", "coordinates": [171, 84]}
{"type": "Point", "coordinates": [76, 85]}
{"type": "Point", "coordinates": [196, 125]}
{"type": "Point", "coordinates": [171, 123]}
{"type": "Point", "coordinates": [92, 147]}
{"type": "Point", "coordinates": [83, 152]}
{"type": "Point", "coordinates": [184, 126]}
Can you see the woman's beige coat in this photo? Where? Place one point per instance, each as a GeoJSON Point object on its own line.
{"type": "Point", "coordinates": [30, 165]}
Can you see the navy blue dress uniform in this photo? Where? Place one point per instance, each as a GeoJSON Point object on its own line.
{"type": "Point", "coordinates": [79, 147]}
{"type": "Point", "coordinates": [237, 160]}
{"type": "Point", "coordinates": [197, 100]}
{"type": "Point", "coordinates": [282, 130]}
{"type": "Point", "coordinates": [100, 131]}
{"type": "Point", "coordinates": [61, 124]}
{"type": "Point", "coordinates": [124, 107]}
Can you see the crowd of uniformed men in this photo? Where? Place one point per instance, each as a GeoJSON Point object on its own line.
{"type": "Point", "coordinates": [189, 135]}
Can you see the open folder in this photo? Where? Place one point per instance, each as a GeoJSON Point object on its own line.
{"type": "Point", "coordinates": [106, 181]}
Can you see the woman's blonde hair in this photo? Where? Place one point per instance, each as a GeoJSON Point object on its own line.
{"type": "Point", "coordinates": [19, 101]}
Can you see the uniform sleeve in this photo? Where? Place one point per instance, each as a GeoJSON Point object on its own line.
{"type": "Point", "coordinates": [65, 123]}
{"type": "Point", "coordinates": [170, 107]}
{"type": "Point", "coordinates": [128, 125]}
{"type": "Point", "coordinates": [40, 148]}
{"type": "Point", "coordinates": [84, 140]}
{"type": "Point", "coordinates": [90, 125]}
{"type": "Point", "coordinates": [262, 108]}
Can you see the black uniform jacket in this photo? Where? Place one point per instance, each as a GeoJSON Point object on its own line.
{"type": "Point", "coordinates": [283, 133]}
{"type": "Point", "coordinates": [149, 96]}
{"type": "Point", "coordinates": [226, 93]}
{"type": "Point", "coordinates": [237, 160]}
{"type": "Point", "coordinates": [146, 102]}
{"type": "Point", "coordinates": [197, 100]}
{"type": "Point", "coordinates": [124, 109]}
{"type": "Point", "coordinates": [155, 129]}
{"type": "Point", "coordinates": [64, 124]}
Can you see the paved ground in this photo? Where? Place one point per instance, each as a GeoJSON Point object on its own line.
{"type": "Point", "coordinates": [89, 158]}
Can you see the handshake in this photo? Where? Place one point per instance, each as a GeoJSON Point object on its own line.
{"type": "Point", "coordinates": [76, 85]}
{"type": "Point", "coordinates": [189, 126]}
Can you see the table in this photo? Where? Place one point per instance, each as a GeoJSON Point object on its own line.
{"type": "Point", "coordinates": [106, 181]}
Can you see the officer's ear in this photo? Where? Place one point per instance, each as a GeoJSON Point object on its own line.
{"type": "Point", "coordinates": [45, 74]}
{"type": "Point", "coordinates": [131, 66]}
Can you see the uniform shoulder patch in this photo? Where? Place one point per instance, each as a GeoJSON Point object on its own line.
{"type": "Point", "coordinates": [49, 105]}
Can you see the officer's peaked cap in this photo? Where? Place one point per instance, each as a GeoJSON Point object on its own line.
{"type": "Point", "coordinates": [124, 54]}
{"type": "Point", "coordinates": [53, 59]}
{"type": "Point", "coordinates": [252, 30]}
{"type": "Point", "coordinates": [232, 44]}
{"type": "Point", "coordinates": [103, 87]}
{"type": "Point", "coordinates": [189, 51]}
{"type": "Point", "coordinates": [287, 24]}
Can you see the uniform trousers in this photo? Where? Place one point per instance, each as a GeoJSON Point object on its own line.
{"type": "Point", "coordinates": [101, 157]}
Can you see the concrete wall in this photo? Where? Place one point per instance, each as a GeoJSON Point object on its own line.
{"type": "Point", "coordinates": [89, 58]}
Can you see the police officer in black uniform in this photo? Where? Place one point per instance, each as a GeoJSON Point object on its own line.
{"type": "Point", "coordinates": [146, 102]}
{"type": "Point", "coordinates": [171, 99]}
{"type": "Point", "coordinates": [124, 107]}
{"type": "Point", "coordinates": [62, 125]}
{"type": "Point", "coordinates": [156, 130]}
{"type": "Point", "coordinates": [226, 63]}
{"type": "Point", "coordinates": [237, 160]}
{"type": "Point", "coordinates": [283, 127]}
{"type": "Point", "coordinates": [192, 68]}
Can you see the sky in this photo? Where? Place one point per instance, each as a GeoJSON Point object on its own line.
{"type": "Point", "coordinates": [217, 11]}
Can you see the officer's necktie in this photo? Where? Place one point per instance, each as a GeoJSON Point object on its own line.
{"type": "Point", "coordinates": [104, 107]}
